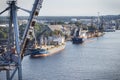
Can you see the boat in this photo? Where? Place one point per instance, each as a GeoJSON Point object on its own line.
{"type": "Point", "coordinates": [76, 38]}
{"type": "Point", "coordinates": [110, 30]}
{"type": "Point", "coordinates": [38, 52]}
{"type": "Point", "coordinates": [46, 51]}
{"type": "Point", "coordinates": [47, 45]}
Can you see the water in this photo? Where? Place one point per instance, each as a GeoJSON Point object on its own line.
{"type": "Point", "coordinates": [95, 59]}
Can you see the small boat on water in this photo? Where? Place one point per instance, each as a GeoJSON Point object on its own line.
{"type": "Point", "coordinates": [47, 51]}
{"type": "Point", "coordinates": [77, 40]}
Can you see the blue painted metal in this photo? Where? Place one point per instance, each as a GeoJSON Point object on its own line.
{"type": "Point", "coordinates": [5, 10]}
{"type": "Point", "coordinates": [35, 10]}
{"type": "Point", "coordinates": [31, 18]}
{"type": "Point", "coordinates": [13, 19]}
{"type": "Point", "coordinates": [16, 34]}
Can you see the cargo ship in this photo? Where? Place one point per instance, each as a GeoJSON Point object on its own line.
{"type": "Point", "coordinates": [57, 45]}
{"type": "Point", "coordinates": [76, 37]}
{"type": "Point", "coordinates": [46, 51]}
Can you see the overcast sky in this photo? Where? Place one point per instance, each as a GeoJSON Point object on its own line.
{"type": "Point", "coordinates": [70, 7]}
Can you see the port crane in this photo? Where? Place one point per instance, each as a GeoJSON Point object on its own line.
{"type": "Point", "coordinates": [14, 33]}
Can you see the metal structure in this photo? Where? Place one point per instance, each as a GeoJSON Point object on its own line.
{"type": "Point", "coordinates": [14, 33]}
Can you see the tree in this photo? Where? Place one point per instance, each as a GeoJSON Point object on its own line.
{"type": "Point", "coordinates": [22, 29]}
{"type": "Point", "coordinates": [3, 33]}
{"type": "Point", "coordinates": [78, 24]}
{"type": "Point", "coordinates": [58, 32]}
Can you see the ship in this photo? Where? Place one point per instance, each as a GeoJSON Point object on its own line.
{"type": "Point", "coordinates": [46, 51]}
{"type": "Point", "coordinates": [58, 44]}
{"type": "Point", "coordinates": [76, 38]}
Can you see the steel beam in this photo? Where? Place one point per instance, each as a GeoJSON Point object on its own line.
{"type": "Point", "coordinates": [16, 34]}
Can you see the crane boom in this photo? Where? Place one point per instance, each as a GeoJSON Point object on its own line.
{"type": "Point", "coordinates": [31, 23]}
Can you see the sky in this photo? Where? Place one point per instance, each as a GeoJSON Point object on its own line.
{"type": "Point", "coordinates": [69, 7]}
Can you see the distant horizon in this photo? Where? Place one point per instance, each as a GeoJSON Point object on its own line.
{"type": "Point", "coordinates": [66, 16]}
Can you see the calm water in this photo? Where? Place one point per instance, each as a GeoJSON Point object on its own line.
{"type": "Point", "coordinates": [95, 59]}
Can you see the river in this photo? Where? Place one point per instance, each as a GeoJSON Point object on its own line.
{"type": "Point", "coordinates": [95, 59]}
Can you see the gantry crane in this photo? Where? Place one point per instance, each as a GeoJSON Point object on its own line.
{"type": "Point", "coordinates": [20, 45]}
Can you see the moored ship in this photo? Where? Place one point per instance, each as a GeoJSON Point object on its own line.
{"type": "Point", "coordinates": [57, 44]}
{"type": "Point", "coordinates": [76, 38]}
{"type": "Point", "coordinates": [47, 51]}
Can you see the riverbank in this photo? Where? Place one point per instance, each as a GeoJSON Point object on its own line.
{"type": "Point", "coordinates": [96, 59]}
